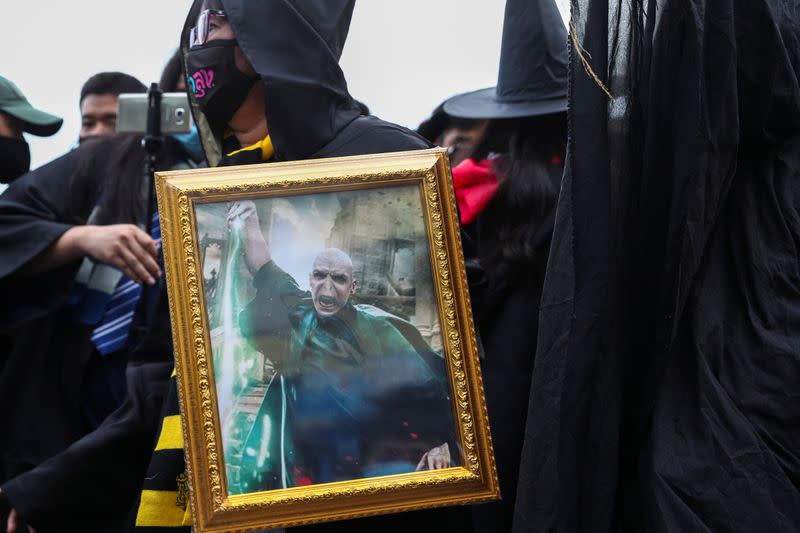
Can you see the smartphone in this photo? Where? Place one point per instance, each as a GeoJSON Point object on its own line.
{"type": "Point", "coordinates": [175, 114]}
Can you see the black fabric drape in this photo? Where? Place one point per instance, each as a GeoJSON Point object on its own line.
{"type": "Point", "coordinates": [505, 311]}
{"type": "Point", "coordinates": [663, 393]}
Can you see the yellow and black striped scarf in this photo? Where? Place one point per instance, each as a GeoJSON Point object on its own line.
{"type": "Point", "coordinates": [164, 503]}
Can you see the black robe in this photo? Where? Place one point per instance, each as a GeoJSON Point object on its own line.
{"type": "Point", "coordinates": [506, 311]}
{"type": "Point", "coordinates": [665, 389]}
{"type": "Point", "coordinates": [45, 351]}
{"type": "Point", "coordinates": [311, 115]}
{"type": "Point", "coordinates": [49, 460]}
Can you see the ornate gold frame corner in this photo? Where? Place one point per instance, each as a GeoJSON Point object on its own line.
{"type": "Point", "coordinates": [212, 509]}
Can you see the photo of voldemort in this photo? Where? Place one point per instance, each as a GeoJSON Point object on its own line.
{"type": "Point", "coordinates": [327, 350]}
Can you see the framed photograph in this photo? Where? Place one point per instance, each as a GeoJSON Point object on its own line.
{"type": "Point", "coordinates": [325, 350]}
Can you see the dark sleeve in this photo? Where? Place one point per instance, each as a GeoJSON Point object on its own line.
{"type": "Point", "coordinates": [35, 211]}
{"type": "Point", "coordinates": [268, 319]}
{"type": "Point", "coordinates": [92, 485]}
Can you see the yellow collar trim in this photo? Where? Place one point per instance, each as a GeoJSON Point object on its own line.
{"type": "Point", "coordinates": [265, 145]}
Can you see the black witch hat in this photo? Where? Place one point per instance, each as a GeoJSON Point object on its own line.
{"type": "Point", "coordinates": [533, 67]}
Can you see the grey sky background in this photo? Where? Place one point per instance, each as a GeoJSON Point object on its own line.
{"type": "Point", "coordinates": [401, 58]}
{"type": "Point", "coordinates": [303, 225]}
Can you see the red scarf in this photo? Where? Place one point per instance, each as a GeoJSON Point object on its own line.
{"type": "Point", "coordinates": [475, 185]}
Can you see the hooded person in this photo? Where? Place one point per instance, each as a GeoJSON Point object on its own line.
{"type": "Point", "coordinates": [506, 193]}
{"type": "Point", "coordinates": [17, 115]}
{"type": "Point", "coordinates": [255, 100]}
{"type": "Point", "coordinates": [246, 86]}
{"type": "Point", "coordinates": [665, 387]}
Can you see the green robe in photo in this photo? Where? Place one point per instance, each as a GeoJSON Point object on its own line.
{"type": "Point", "coordinates": [362, 392]}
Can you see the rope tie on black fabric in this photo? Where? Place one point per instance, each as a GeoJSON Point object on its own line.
{"type": "Point", "coordinates": [585, 57]}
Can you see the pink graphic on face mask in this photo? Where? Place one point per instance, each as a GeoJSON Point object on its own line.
{"type": "Point", "coordinates": [200, 81]}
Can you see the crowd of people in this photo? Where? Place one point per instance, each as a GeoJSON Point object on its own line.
{"type": "Point", "coordinates": [629, 200]}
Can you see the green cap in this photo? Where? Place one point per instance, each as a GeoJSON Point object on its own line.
{"type": "Point", "coordinates": [34, 121]}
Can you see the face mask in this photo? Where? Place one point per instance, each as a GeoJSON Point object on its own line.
{"type": "Point", "coordinates": [15, 159]}
{"type": "Point", "coordinates": [190, 142]}
{"type": "Point", "coordinates": [218, 87]}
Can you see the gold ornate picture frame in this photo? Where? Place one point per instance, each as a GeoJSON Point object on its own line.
{"type": "Point", "coordinates": [258, 371]}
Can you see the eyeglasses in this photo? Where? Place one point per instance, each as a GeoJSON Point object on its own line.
{"type": "Point", "coordinates": [199, 34]}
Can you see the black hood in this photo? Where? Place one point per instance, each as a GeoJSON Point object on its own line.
{"type": "Point", "coordinates": [294, 46]}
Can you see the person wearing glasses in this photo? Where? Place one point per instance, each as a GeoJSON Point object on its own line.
{"type": "Point", "coordinates": [289, 98]}
{"type": "Point", "coordinates": [260, 96]}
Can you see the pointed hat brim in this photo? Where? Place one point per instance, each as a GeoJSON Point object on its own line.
{"type": "Point", "coordinates": [483, 104]}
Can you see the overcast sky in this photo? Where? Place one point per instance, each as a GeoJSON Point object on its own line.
{"type": "Point", "coordinates": [401, 58]}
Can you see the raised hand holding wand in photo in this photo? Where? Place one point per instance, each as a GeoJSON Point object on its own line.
{"type": "Point", "coordinates": [256, 249]}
